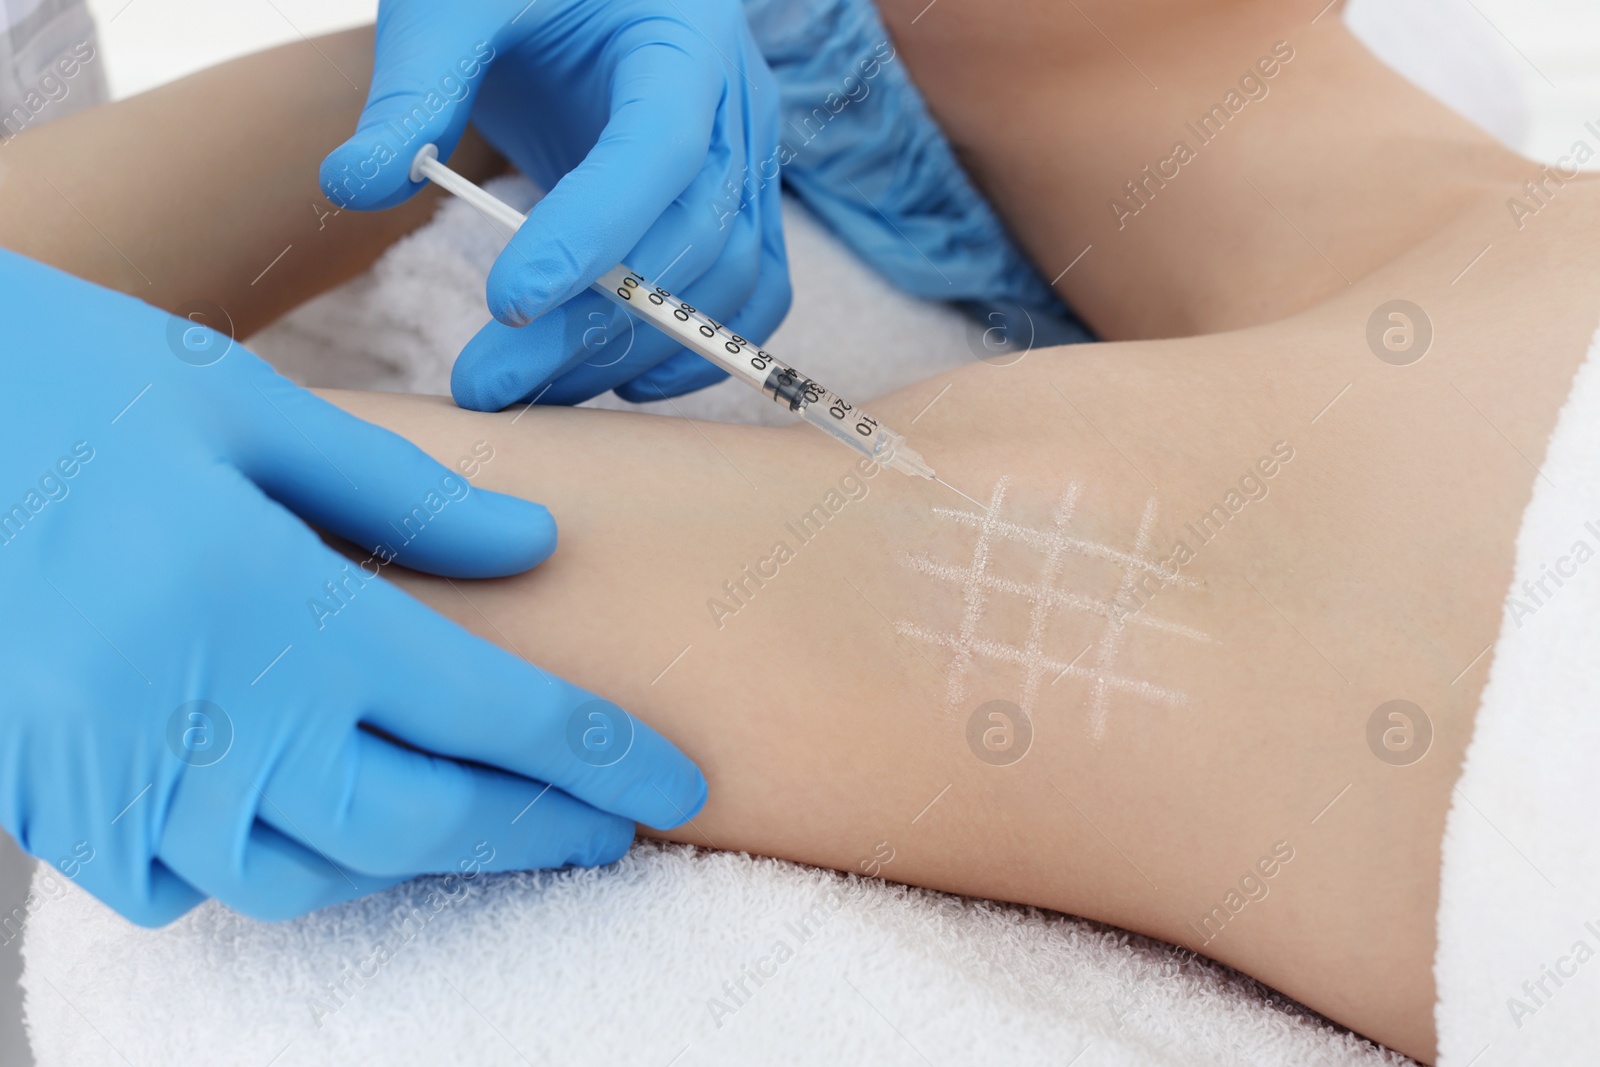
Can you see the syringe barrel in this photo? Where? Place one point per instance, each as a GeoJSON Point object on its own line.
{"type": "Point", "coordinates": [806, 397]}
{"type": "Point", "coordinates": [697, 331]}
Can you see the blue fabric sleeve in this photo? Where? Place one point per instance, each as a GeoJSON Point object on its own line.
{"type": "Point", "coordinates": [861, 149]}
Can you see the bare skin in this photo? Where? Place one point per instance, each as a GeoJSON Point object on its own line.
{"type": "Point", "coordinates": [1332, 167]}
{"type": "Point", "coordinates": [1372, 569]}
{"type": "Point", "coordinates": [133, 197]}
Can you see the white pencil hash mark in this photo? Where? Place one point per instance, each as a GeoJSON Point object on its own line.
{"type": "Point", "coordinates": [1045, 599]}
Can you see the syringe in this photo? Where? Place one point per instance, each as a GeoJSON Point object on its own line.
{"type": "Point", "coordinates": [695, 330]}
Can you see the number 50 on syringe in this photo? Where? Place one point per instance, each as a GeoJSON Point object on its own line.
{"type": "Point", "coordinates": [822, 408]}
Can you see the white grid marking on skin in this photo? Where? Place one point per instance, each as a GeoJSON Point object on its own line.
{"type": "Point", "coordinates": [1038, 609]}
{"type": "Point", "coordinates": [1043, 598]}
{"type": "Point", "coordinates": [1042, 538]}
{"type": "Point", "coordinates": [998, 650]}
{"type": "Point", "coordinates": [974, 596]}
{"type": "Point", "coordinates": [1052, 597]}
{"type": "Point", "coordinates": [1116, 628]}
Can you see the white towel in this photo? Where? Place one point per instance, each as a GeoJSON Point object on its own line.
{"type": "Point", "coordinates": [642, 963]}
{"type": "Point", "coordinates": [1518, 967]}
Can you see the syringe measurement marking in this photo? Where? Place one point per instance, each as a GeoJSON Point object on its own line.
{"type": "Point", "coordinates": [779, 382]}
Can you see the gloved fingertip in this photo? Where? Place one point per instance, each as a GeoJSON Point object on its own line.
{"type": "Point", "coordinates": [165, 900]}
{"type": "Point", "coordinates": [477, 390]}
{"type": "Point", "coordinates": [606, 847]}
{"type": "Point", "coordinates": [514, 312]}
{"type": "Point", "coordinates": [698, 802]}
{"type": "Point", "coordinates": [514, 535]}
{"type": "Point", "coordinates": [487, 375]}
{"type": "Point", "coordinates": [667, 801]}
{"type": "Point", "coordinates": [517, 294]}
{"type": "Point", "coordinates": [490, 535]}
{"type": "Point", "coordinates": [637, 392]}
{"type": "Point", "coordinates": [363, 178]}
{"type": "Point", "coordinates": [153, 918]}
{"type": "Point", "coordinates": [541, 268]}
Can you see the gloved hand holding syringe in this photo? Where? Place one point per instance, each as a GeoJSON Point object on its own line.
{"type": "Point", "coordinates": [698, 332]}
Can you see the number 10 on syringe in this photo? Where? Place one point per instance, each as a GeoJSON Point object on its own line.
{"type": "Point", "coordinates": [822, 408]}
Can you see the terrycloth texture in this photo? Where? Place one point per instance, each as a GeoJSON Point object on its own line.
{"type": "Point", "coordinates": [50, 64]}
{"type": "Point", "coordinates": [1518, 965]}
{"type": "Point", "coordinates": [641, 964]}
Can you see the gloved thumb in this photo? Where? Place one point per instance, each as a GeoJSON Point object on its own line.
{"type": "Point", "coordinates": [375, 488]}
{"type": "Point", "coordinates": [427, 67]}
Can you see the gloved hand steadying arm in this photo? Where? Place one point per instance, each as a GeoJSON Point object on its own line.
{"type": "Point", "coordinates": [203, 699]}
{"type": "Point", "coordinates": [654, 126]}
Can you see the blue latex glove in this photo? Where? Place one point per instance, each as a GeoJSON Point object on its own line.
{"type": "Point", "coordinates": [654, 126]}
{"type": "Point", "coordinates": [201, 698]}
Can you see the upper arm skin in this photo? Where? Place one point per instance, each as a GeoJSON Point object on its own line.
{"type": "Point", "coordinates": [825, 733]}
{"type": "Point", "coordinates": [205, 189]}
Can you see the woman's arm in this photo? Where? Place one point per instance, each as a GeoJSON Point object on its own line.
{"type": "Point", "coordinates": [1200, 767]}
{"type": "Point", "coordinates": [206, 189]}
